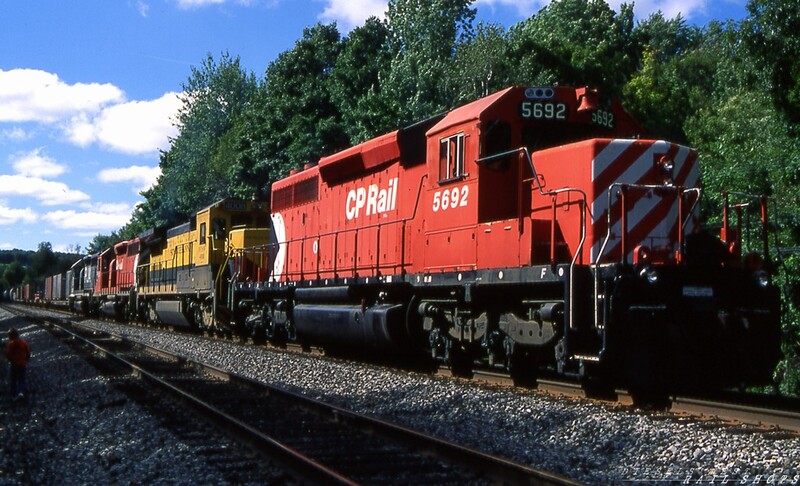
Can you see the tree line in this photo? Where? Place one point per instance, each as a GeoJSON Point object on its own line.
{"type": "Point", "coordinates": [730, 89]}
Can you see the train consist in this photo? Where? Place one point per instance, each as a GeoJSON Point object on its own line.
{"type": "Point", "coordinates": [530, 230]}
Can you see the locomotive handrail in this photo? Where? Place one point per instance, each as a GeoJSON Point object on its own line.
{"type": "Point", "coordinates": [336, 234]}
{"type": "Point", "coordinates": [762, 201]}
{"type": "Point", "coordinates": [543, 192]}
{"type": "Point", "coordinates": [596, 263]}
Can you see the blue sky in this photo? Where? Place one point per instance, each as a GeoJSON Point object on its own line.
{"type": "Point", "coordinates": [89, 89]}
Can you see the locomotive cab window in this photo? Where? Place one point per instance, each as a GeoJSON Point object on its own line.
{"type": "Point", "coordinates": [451, 158]}
{"type": "Point", "coordinates": [218, 226]}
{"type": "Point", "coordinates": [496, 139]}
{"type": "Point", "coordinates": [202, 233]}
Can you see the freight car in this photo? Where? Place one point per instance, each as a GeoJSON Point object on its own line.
{"type": "Point", "coordinates": [531, 229]}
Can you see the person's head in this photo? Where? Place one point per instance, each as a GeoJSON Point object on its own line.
{"type": "Point", "coordinates": [13, 333]}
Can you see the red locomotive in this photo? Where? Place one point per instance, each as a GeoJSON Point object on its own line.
{"type": "Point", "coordinates": [531, 229]}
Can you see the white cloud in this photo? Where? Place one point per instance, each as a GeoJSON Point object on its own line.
{"type": "Point", "coordinates": [36, 164]}
{"type": "Point", "coordinates": [10, 216]}
{"type": "Point", "coordinates": [97, 219]}
{"type": "Point", "coordinates": [34, 95]}
{"type": "Point", "coordinates": [143, 8]}
{"type": "Point", "coordinates": [142, 176]}
{"type": "Point", "coordinates": [15, 134]}
{"type": "Point", "coordinates": [352, 13]}
{"type": "Point", "coordinates": [86, 113]}
{"type": "Point", "coordinates": [49, 193]}
{"type": "Point", "coordinates": [135, 127]}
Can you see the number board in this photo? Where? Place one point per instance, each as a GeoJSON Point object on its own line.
{"type": "Point", "coordinates": [603, 118]}
{"type": "Point", "coordinates": [543, 110]}
{"type": "Point", "coordinates": [236, 206]}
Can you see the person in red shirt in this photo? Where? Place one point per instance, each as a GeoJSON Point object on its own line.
{"type": "Point", "coordinates": [18, 353]}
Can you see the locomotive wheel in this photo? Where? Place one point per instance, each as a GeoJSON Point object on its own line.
{"type": "Point", "coordinates": [460, 362]}
{"type": "Point", "coordinates": [650, 399]}
{"type": "Point", "coordinates": [204, 316]}
{"type": "Point", "coordinates": [523, 369]}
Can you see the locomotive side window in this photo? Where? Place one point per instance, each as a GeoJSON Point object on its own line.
{"type": "Point", "coordinates": [451, 158]}
{"type": "Point", "coordinates": [496, 140]}
{"type": "Point", "coordinates": [202, 233]}
{"type": "Point", "coordinates": [218, 225]}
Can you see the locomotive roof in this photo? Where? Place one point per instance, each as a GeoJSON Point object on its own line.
{"type": "Point", "coordinates": [405, 144]}
{"type": "Point", "coordinates": [368, 155]}
{"type": "Point", "coordinates": [470, 111]}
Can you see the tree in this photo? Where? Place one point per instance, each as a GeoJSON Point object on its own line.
{"type": "Point", "coordinates": [362, 65]}
{"type": "Point", "coordinates": [44, 260]}
{"type": "Point", "coordinates": [575, 42]}
{"type": "Point", "coordinates": [103, 242]}
{"type": "Point", "coordinates": [424, 37]}
{"type": "Point", "coordinates": [481, 65]}
{"type": "Point", "coordinates": [299, 122]}
{"type": "Point", "coordinates": [14, 274]}
{"type": "Point", "coordinates": [195, 171]}
{"type": "Point", "coordinates": [773, 36]}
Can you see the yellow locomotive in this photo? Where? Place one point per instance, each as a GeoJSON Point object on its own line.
{"type": "Point", "coordinates": [183, 275]}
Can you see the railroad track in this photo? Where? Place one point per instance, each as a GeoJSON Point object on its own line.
{"type": "Point", "coordinates": [314, 441]}
{"type": "Point", "coordinates": [761, 413]}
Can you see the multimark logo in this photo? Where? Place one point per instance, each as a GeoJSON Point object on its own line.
{"type": "Point", "coordinates": [372, 199]}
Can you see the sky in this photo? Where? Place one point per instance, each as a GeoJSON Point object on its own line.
{"type": "Point", "coordinates": [89, 90]}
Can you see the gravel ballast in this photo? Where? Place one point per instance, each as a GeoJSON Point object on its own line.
{"type": "Point", "coordinates": [74, 427]}
{"type": "Point", "coordinates": [584, 440]}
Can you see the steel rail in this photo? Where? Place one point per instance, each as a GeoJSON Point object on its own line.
{"type": "Point", "coordinates": [495, 468]}
{"type": "Point", "coordinates": [300, 465]}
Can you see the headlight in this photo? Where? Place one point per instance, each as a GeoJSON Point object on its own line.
{"type": "Point", "coordinates": [649, 273]}
{"type": "Point", "coordinates": [762, 278]}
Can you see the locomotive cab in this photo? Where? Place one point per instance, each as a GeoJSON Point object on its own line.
{"type": "Point", "coordinates": [571, 232]}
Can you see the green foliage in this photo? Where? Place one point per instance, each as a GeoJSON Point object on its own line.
{"type": "Point", "coordinates": [301, 123]}
{"type": "Point", "coordinates": [575, 42]}
{"type": "Point", "coordinates": [481, 65]}
{"type": "Point", "coordinates": [14, 274]}
{"type": "Point", "coordinates": [355, 81]}
{"type": "Point", "coordinates": [787, 375]}
{"type": "Point", "coordinates": [424, 37]}
{"type": "Point", "coordinates": [19, 267]}
{"type": "Point", "coordinates": [772, 31]}
{"type": "Point", "coordinates": [102, 242]}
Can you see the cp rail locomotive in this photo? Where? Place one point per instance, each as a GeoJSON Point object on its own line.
{"type": "Point", "coordinates": [533, 229]}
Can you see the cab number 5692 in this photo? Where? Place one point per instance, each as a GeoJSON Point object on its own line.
{"type": "Point", "coordinates": [450, 198]}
